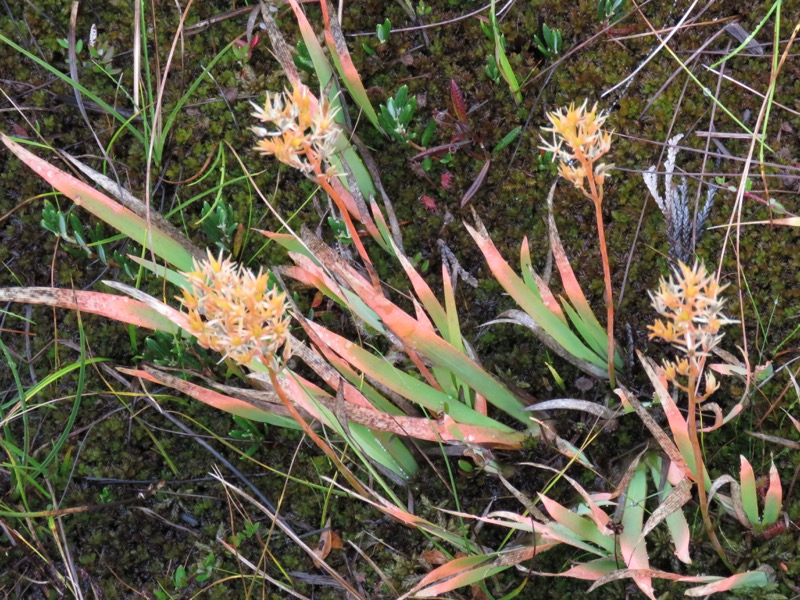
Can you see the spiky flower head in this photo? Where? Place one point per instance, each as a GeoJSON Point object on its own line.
{"type": "Point", "coordinates": [300, 131]}
{"type": "Point", "coordinates": [579, 140]}
{"type": "Point", "coordinates": [691, 305]}
{"type": "Point", "coordinates": [235, 312]}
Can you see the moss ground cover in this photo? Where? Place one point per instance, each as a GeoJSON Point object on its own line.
{"type": "Point", "coordinates": [172, 540]}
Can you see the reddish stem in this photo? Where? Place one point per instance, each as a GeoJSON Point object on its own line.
{"type": "Point", "coordinates": [596, 196]}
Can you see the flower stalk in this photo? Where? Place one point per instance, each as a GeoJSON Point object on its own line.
{"type": "Point", "coordinates": [691, 305]}
{"type": "Point", "coordinates": [579, 141]}
{"type": "Point", "coordinates": [301, 131]}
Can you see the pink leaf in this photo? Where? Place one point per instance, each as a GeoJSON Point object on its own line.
{"type": "Point", "coordinates": [774, 497]}
{"type": "Point", "coordinates": [219, 401]}
{"type": "Point", "coordinates": [758, 578]}
{"type": "Point", "coordinates": [749, 494]}
{"type": "Point", "coordinates": [428, 202]}
{"type": "Point", "coordinates": [117, 308]}
{"type": "Point", "coordinates": [457, 98]}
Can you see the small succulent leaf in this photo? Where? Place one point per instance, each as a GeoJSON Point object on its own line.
{"type": "Point", "coordinates": [507, 139]}
{"type": "Point", "coordinates": [383, 30]}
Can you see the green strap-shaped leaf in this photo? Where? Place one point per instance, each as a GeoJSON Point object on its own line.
{"type": "Point", "coordinates": [106, 209]}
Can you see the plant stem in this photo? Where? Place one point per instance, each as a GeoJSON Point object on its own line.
{"type": "Point", "coordinates": [310, 433]}
{"type": "Point", "coordinates": [699, 465]}
{"type": "Point", "coordinates": [596, 196]}
{"type": "Point", "coordinates": [609, 299]}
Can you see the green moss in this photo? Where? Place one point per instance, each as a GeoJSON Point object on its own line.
{"type": "Point", "coordinates": [142, 547]}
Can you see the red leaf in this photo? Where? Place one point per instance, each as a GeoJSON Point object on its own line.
{"type": "Point", "coordinates": [428, 202]}
{"type": "Point", "coordinates": [18, 131]}
{"type": "Point", "coordinates": [457, 98]}
{"type": "Point", "coordinates": [447, 180]}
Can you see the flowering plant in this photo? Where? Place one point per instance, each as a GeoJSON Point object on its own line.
{"type": "Point", "coordinates": [579, 141]}
{"type": "Point", "coordinates": [235, 312]}
{"type": "Point", "coordinates": [300, 131]}
{"type": "Point", "coordinates": [579, 137]}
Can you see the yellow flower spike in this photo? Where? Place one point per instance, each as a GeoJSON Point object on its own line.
{"type": "Point", "coordinates": [300, 132]}
{"type": "Point", "coordinates": [682, 367]}
{"type": "Point", "coordinates": [692, 308]}
{"type": "Point", "coordinates": [578, 142]}
{"type": "Point", "coordinates": [689, 301]}
{"type": "Point", "coordinates": [233, 312]}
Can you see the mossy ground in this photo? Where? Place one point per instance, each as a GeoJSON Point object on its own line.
{"type": "Point", "coordinates": [137, 547]}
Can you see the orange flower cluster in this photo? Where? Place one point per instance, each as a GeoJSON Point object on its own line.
{"type": "Point", "coordinates": [301, 132]}
{"type": "Point", "coordinates": [578, 141]}
{"type": "Point", "coordinates": [234, 312]}
{"type": "Point", "coordinates": [691, 304]}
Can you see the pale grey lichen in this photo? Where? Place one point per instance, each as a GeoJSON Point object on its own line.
{"type": "Point", "coordinates": [682, 229]}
